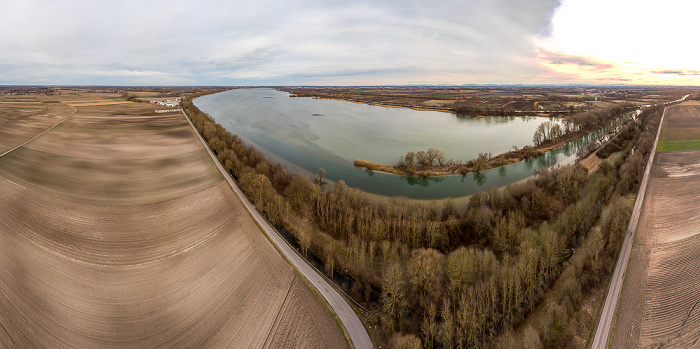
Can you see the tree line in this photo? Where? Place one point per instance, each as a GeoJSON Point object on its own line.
{"type": "Point", "coordinates": [550, 132]}
{"type": "Point", "coordinates": [547, 135]}
{"type": "Point", "coordinates": [447, 277]}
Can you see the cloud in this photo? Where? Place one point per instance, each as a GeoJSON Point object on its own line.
{"type": "Point", "coordinates": [577, 69]}
{"type": "Point", "coordinates": [619, 33]}
{"type": "Point", "coordinates": [333, 42]}
{"type": "Point", "coordinates": [272, 42]}
{"type": "Point", "coordinates": [563, 59]}
{"type": "Point", "coordinates": [687, 72]}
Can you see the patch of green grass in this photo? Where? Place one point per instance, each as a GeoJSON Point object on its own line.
{"type": "Point", "coordinates": [678, 145]}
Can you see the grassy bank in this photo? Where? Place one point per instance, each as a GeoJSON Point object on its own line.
{"type": "Point", "coordinates": [678, 145]}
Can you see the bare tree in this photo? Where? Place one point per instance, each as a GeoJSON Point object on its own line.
{"type": "Point", "coordinates": [394, 303]}
{"type": "Point", "coordinates": [321, 174]}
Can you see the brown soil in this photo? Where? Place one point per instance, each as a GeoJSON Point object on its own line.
{"type": "Point", "coordinates": [138, 243]}
{"type": "Point", "coordinates": [294, 331]}
{"type": "Point", "coordinates": [19, 125]}
{"type": "Point", "coordinates": [659, 304]}
{"type": "Point", "coordinates": [133, 132]}
{"type": "Point", "coordinates": [11, 113]}
{"type": "Point", "coordinates": [680, 134]}
{"type": "Point", "coordinates": [681, 123]}
{"type": "Point", "coordinates": [683, 111]}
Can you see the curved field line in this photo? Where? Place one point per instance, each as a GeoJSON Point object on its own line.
{"type": "Point", "coordinates": [279, 312]}
{"type": "Point", "coordinates": [47, 130]}
{"type": "Point", "coordinates": [190, 271]}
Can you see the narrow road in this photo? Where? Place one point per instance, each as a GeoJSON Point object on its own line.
{"type": "Point", "coordinates": [353, 326]}
{"type": "Point", "coordinates": [35, 137]}
{"type": "Point", "coordinates": [607, 315]}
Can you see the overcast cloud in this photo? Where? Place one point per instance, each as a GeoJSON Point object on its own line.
{"type": "Point", "coordinates": [263, 42]}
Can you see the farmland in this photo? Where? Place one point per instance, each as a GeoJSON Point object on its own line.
{"type": "Point", "coordinates": [658, 307]}
{"type": "Point", "coordinates": [494, 100]}
{"type": "Point", "coordinates": [117, 230]}
{"type": "Point", "coordinates": [451, 277]}
{"type": "Point", "coordinates": [20, 121]}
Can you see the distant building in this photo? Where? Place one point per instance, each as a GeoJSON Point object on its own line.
{"type": "Point", "coordinates": [172, 103]}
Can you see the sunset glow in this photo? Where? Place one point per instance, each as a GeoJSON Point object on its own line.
{"type": "Point", "coordinates": [631, 42]}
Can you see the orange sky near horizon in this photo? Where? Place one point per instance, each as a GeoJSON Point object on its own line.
{"type": "Point", "coordinates": [622, 41]}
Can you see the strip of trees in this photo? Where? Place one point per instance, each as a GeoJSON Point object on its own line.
{"type": "Point", "coordinates": [448, 278]}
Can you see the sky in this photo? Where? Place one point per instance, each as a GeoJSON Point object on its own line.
{"type": "Point", "coordinates": [309, 42]}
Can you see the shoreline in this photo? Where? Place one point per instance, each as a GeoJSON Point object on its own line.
{"type": "Point", "coordinates": [385, 105]}
{"type": "Point", "coordinates": [472, 166]}
{"type": "Point", "coordinates": [442, 110]}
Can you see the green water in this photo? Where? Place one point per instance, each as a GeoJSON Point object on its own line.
{"type": "Point", "coordinates": [305, 134]}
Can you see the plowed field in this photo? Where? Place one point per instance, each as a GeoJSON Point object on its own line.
{"type": "Point", "coordinates": [659, 303]}
{"type": "Point", "coordinates": [117, 230]}
{"type": "Point", "coordinates": [18, 125]}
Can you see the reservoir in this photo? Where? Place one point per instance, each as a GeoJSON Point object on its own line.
{"type": "Point", "coordinates": [305, 134]}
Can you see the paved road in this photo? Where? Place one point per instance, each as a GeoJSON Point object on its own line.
{"type": "Point", "coordinates": [353, 325]}
{"type": "Point", "coordinates": [602, 332]}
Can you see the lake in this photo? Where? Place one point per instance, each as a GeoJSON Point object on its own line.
{"type": "Point", "coordinates": [305, 134]}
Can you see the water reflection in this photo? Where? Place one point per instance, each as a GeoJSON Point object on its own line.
{"type": "Point", "coordinates": [423, 181]}
{"type": "Point", "coordinates": [479, 178]}
{"type": "Point", "coordinates": [285, 130]}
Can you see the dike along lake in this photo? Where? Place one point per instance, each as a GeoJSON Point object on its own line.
{"type": "Point", "coordinates": [305, 134]}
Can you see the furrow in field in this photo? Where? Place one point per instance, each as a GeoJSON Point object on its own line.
{"type": "Point", "coordinates": [117, 230]}
{"type": "Point", "coordinates": [19, 129]}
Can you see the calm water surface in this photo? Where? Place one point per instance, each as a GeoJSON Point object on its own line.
{"type": "Point", "coordinates": [305, 134]}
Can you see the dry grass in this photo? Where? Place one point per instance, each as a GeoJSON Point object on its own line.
{"type": "Point", "coordinates": [116, 230]}
{"type": "Point", "coordinates": [592, 162]}
{"type": "Point", "coordinates": [680, 134]}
